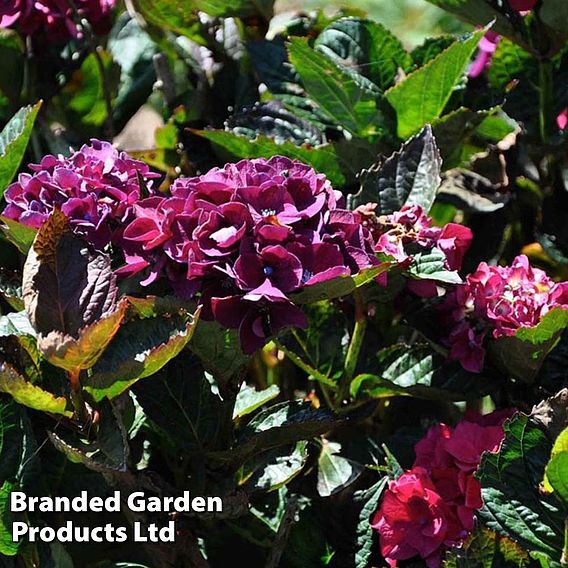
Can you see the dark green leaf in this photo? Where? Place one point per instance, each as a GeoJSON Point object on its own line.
{"type": "Point", "coordinates": [139, 349]}
{"type": "Point", "coordinates": [418, 371]}
{"type": "Point", "coordinates": [335, 472]}
{"type": "Point", "coordinates": [348, 99]}
{"type": "Point", "coordinates": [14, 141]}
{"type": "Point", "coordinates": [219, 350]}
{"type": "Point", "coordinates": [178, 16]}
{"type": "Point", "coordinates": [423, 95]}
{"type": "Point", "coordinates": [273, 120]}
{"type": "Point", "coordinates": [273, 469]}
{"type": "Point", "coordinates": [85, 96]}
{"type": "Point", "coordinates": [12, 57]}
{"type": "Point", "coordinates": [479, 13]}
{"type": "Point", "coordinates": [430, 49]}
{"type": "Point", "coordinates": [554, 13]}
{"type": "Point", "coordinates": [411, 176]}
{"type": "Point", "coordinates": [431, 266]}
{"type": "Point", "coordinates": [281, 424]}
{"type": "Point", "coordinates": [513, 504]}
{"type": "Point", "coordinates": [108, 453]}
{"type": "Point", "coordinates": [370, 500]}
{"type": "Point", "coordinates": [365, 46]}
{"type": "Point", "coordinates": [249, 399]}
{"type": "Point", "coordinates": [181, 403]}
{"type": "Point", "coordinates": [522, 355]}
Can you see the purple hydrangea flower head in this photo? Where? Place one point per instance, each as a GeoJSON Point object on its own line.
{"type": "Point", "coordinates": [56, 18]}
{"type": "Point", "coordinates": [247, 236]}
{"type": "Point", "coordinates": [95, 187]}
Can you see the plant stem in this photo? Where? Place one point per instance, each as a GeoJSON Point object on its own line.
{"type": "Point", "coordinates": [77, 397]}
{"type": "Point", "coordinates": [546, 99]}
{"type": "Point", "coordinates": [354, 348]}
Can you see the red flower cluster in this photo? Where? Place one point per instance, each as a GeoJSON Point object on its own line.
{"type": "Point", "coordinates": [432, 506]}
{"type": "Point", "coordinates": [57, 18]}
{"type": "Point", "coordinates": [497, 300]}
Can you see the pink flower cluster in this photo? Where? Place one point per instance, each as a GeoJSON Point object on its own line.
{"type": "Point", "coordinates": [407, 232]}
{"type": "Point", "coordinates": [57, 18]}
{"type": "Point", "coordinates": [246, 236]}
{"type": "Point", "coordinates": [95, 187]}
{"type": "Point", "coordinates": [497, 301]}
{"type": "Point", "coordinates": [431, 507]}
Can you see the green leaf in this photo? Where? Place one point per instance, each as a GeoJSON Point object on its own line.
{"type": "Point", "coordinates": [323, 158]}
{"type": "Point", "coordinates": [132, 48]}
{"type": "Point", "coordinates": [29, 394]}
{"type": "Point", "coordinates": [83, 352]}
{"type": "Point", "coordinates": [454, 131]}
{"type": "Point", "coordinates": [21, 236]}
{"type": "Point", "coordinates": [431, 266]}
{"type": "Point", "coordinates": [273, 469]}
{"type": "Point", "coordinates": [335, 472]}
{"type": "Point", "coordinates": [510, 479]}
{"type": "Point", "coordinates": [17, 461]}
{"type": "Point", "coordinates": [423, 95]}
{"type": "Point", "coordinates": [139, 349]}
{"type": "Point", "coordinates": [370, 499]}
{"type": "Point", "coordinates": [420, 372]}
{"type": "Point", "coordinates": [219, 350]}
{"type": "Point", "coordinates": [430, 49]}
{"type": "Point", "coordinates": [181, 404]}
{"type": "Point", "coordinates": [556, 473]}
{"type": "Point", "coordinates": [178, 16]}
{"type": "Point", "coordinates": [7, 546]}
{"type": "Point", "coordinates": [14, 141]}
{"type": "Point", "coordinates": [521, 356]}
{"type": "Point", "coordinates": [12, 64]}
{"type": "Point", "coordinates": [365, 46]}
{"type": "Point", "coordinates": [107, 453]}
{"type": "Point", "coordinates": [486, 549]}
{"type": "Point", "coordinates": [249, 399]}
{"type": "Point", "coordinates": [350, 100]}
{"type": "Point", "coordinates": [238, 8]}
{"type": "Point", "coordinates": [85, 95]}
{"type": "Point", "coordinates": [410, 176]}
{"type": "Point", "coordinates": [281, 424]}
{"type": "Point", "coordinates": [480, 13]}
{"type": "Point", "coordinates": [272, 119]}
{"type": "Point", "coordinates": [338, 287]}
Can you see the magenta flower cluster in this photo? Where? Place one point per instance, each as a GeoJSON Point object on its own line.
{"type": "Point", "coordinates": [496, 301]}
{"type": "Point", "coordinates": [246, 237]}
{"type": "Point", "coordinates": [431, 507]}
{"type": "Point", "coordinates": [95, 187]}
{"type": "Point", "coordinates": [57, 18]}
